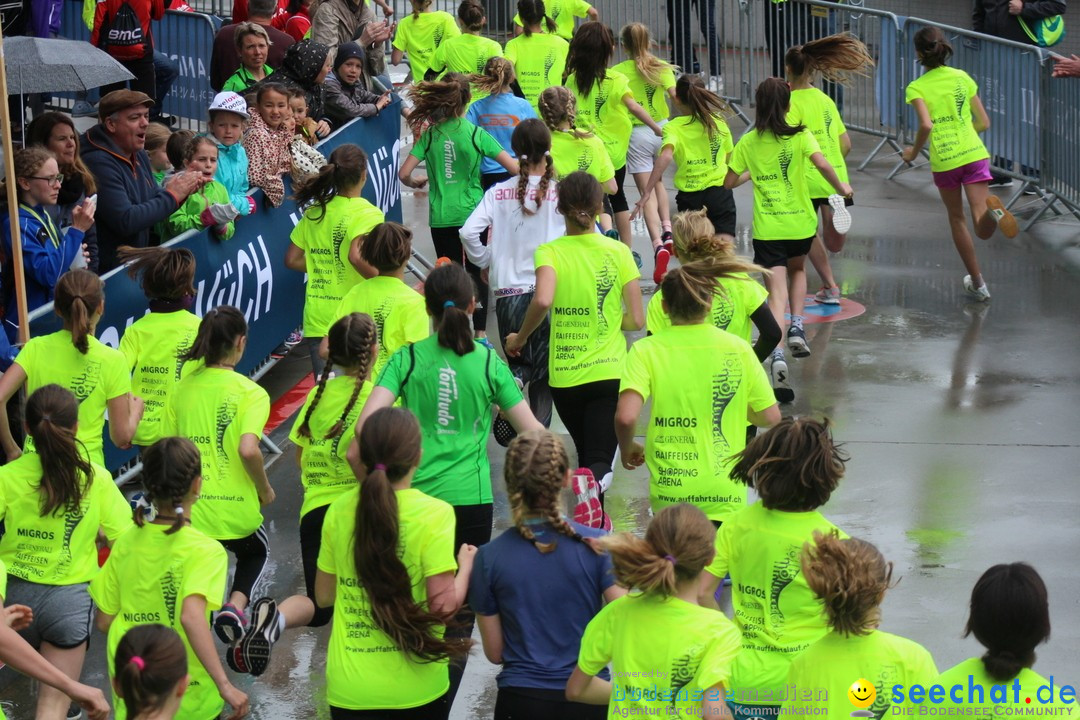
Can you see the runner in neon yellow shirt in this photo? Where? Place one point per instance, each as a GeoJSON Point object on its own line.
{"type": "Point", "coordinates": [150, 671]}
{"type": "Point", "coordinates": [539, 57]}
{"type": "Point", "coordinates": [698, 418]}
{"type": "Point", "coordinates": [405, 665]}
{"type": "Point", "coordinates": [951, 116]}
{"type": "Point", "coordinates": [169, 573]}
{"type": "Point", "coordinates": [669, 656]}
{"type": "Point", "coordinates": [223, 413]}
{"type": "Point", "coordinates": [605, 105]}
{"type": "Point", "coordinates": [760, 547]}
{"type": "Point", "coordinates": [468, 52]}
{"type": "Point", "coordinates": [154, 343]}
{"type": "Point", "coordinates": [74, 359]}
{"type": "Point", "coordinates": [590, 284]}
{"type": "Point", "coordinates": [398, 311]}
{"type": "Point", "coordinates": [851, 578]}
{"type": "Point", "coordinates": [322, 434]}
{"type": "Point", "coordinates": [52, 506]}
{"type": "Point", "coordinates": [774, 156]}
{"type": "Point", "coordinates": [326, 242]}
{"type": "Point", "coordinates": [420, 35]}
{"type": "Point", "coordinates": [652, 82]}
{"type": "Point", "coordinates": [573, 149]}
{"type": "Point", "coordinates": [560, 13]}
{"type": "Point", "coordinates": [835, 58]}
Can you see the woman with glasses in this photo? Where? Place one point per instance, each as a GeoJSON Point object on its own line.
{"type": "Point", "coordinates": [48, 252]}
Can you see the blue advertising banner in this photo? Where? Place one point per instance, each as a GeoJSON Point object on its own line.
{"type": "Point", "coordinates": [248, 271]}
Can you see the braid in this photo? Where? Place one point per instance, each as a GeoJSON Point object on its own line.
{"type": "Point", "coordinates": [536, 465]}
{"type": "Point", "coordinates": [360, 337]}
{"type": "Point", "coordinates": [170, 466]}
{"type": "Point", "coordinates": [340, 424]}
{"type": "Point", "coordinates": [304, 430]}
{"type": "Point", "coordinates": [522, 189]}
{"type": "Point", "coordinates": [545, 180]}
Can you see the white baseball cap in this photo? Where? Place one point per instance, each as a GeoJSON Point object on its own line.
{"type": "Point", "coordinates": [230, 102]}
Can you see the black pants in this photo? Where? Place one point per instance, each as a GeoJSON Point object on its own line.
{"type": "Point", "coordinates": [434, 710]}
{"type": "Point", "coordinates": [535, 704]}
{"type": "Point", "coordinates": [679, 14]}
{"type": "Point", "coordinates": [145, 79]}
{"type": "Point", "coordinates": [310, 541]}
{"type": "Point", "coordinates": [472, 526]}
{"type": "Point", "coordinates": [531, 366]}
{"type": "Point", "coordinates": [790, 23]}
{"type": "Point", "coordinates": [588, 412]}
{"type": "Point", "coordinates": [618, 200]}
{"type": "Point", "coordinates": [448, 244]}
{"type": "Point", "coordinates": [718, 203]}
{"type": "Point", "coordinates": [251, 553]}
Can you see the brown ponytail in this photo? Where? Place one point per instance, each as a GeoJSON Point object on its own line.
{"type": "Point", "coordinates": [351, 342]}
{"type": "Point", "coordinates": [580, 198]}
{"type": "Point", "coordinates": [850, 578]}
{"type": "Point", "coordinates": [835, 57]}
{"type": "Point", "coordinates": [448, 292]}
{"type": "Point", "coordinates": [345, 169]}
{"type": "Point", "coordinates": [170, 467]}
{"type": "Point", "coordinates": [932, 47]}
{"type": "Point", "coordinates": [79, 294]}
{"type": "Point", "coordinates": [150, 660]}
{"type": "Point", "coordinates": [497, 77]}
{"type": "Point", "coordinates": [678, 544]}
{"type": "Point", "coordinates": [532, 12]}
{"type": "Point", "coordinates": [435, 102]}
{"type": "Point", "coordinates": [471, 14]}
{"type": "Point", "coordinates": [536, 466]}
{"type": "Point", "coordinates": [218, 334]}
{"type": "Point", "coordinates": [389, 450]}
{"type": "Point", "coordinates": [419, 6]}
{"type": "Point", "coordinates": [704, 105]}
{"type": "Point", "coordinates": [1010, 616]}
{"type": "Point", "coordinates": [165, 273]}
{"type": "Point", "coordinates": [52, 414]}
{"type": "Point", "coordinates": [387, 246]}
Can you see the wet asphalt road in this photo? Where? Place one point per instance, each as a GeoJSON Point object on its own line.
{"type": "Point", "coordinates": [962, 422]}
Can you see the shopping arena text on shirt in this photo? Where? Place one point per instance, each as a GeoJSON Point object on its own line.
{"type": "Point", "coordinates": [921, 700]}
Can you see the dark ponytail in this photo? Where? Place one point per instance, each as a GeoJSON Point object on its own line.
{"type": "Point", "coordinates": [932, 47]}
{"type": "Point", "coordinates": [165, 273]}
{"type": "Point", "coordinates": [532, 12]}
{"type": "Point", "coordinates": [836, 57]}
{"type": "Point", "coordinates": [52, 414]}
{"type": "Point", "coordinates": [150, 660]}
{"type": "Point", "coordinates": [218, 332]}
{"type": "Point", "coordinates": [345, 169]}
{"type": "Point", "coordinates": [773, 98]}
{"type": "Point", "coordinates": [170, 467]}
{"type": "Point", "coordinates": [79, 294]}
{"type": "Point", "coordinates": [704, 105]}
{"type": "Point", "coordinates": [1010, 616]}
{"type": "Point", "coordinates": [350, 341]}
{"type": "Point", "coordinates": [448, 292]}
{"type": "Point", "coordinates": [389, 450]}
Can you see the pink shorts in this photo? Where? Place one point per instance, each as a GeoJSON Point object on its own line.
{"type": "Point", "coordinates": [973, 172]}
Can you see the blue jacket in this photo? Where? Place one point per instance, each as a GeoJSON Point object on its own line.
{"type": "Point", "coordinates": [131, 202]}
{"type": "Point", "coordinates": [43, 260]}
{"type": "Point", "coordinates": [232, 172]}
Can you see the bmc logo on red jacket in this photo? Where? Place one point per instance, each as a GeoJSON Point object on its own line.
{"type": "Point", "coordinates": [122, 27]}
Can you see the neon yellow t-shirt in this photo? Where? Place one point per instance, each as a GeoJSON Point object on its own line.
{"type": "Point", "coordinates": [3, 593]}
{"type": "Point", "coordinates": [325, 241]}
{"type": "Point", "coordinates": [817, 111]}
{"type": "Point", "coordinates": [94, 378]}
{"type": "Point", "coordinates": [145, 580]}
{"type": "Point", "coordinates": [539, 60]}
{"type": "Point", "coordinates": [652, 97]}
{"type": "Point", "coordinates": [591, 271]}
{"type": "Point", "coordinates": [398, 311]}
{"type": "Point", "coordinates": [570, 154]}
{"type": "Point", "coordinates": [466, 54]}
{"type": "Point", "coordinates": [364, 668]}
{"type": "Point", "coordinates": [214, 408]}
{"type": "Point", "coordinates": [701, 380]}
{"type": "Point", "coordinates": [947, 93]}
{"type": "Point", "coordinates": [989, 697]}
{"type": "Point", "coordinates": [60, 548]}
{"type": "Point", "coordinates": [778, 614]}
{"type": "Point", "coordinates": [733, 303]}
{"type": "Point", "coordinates": [777, 165]}
{"type": "Point", "coordinates": [834, 662]}
{"type": "Point", "coordinates": [324, 471]}
{"type": "Point", "coordinates": [603, 112]}
{"type": "Point", "coordinates": [421, 37]}
{"type": "Point", "coordinates": [563, 13]}
{"type": "Point", "coordinates": [153, 345]}
{"type": "Point", "coordinates": [665, 654]}
{"type": "Point", "coordinates": [700, 158]}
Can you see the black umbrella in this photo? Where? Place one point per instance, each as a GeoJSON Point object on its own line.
{"type": "Point", "coordinates": [43, 65]}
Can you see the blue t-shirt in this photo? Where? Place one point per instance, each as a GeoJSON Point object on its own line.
{"type": "Point", "coordinates": [499, 115]}
{"type": "Point", "coordinates": [541, 637]}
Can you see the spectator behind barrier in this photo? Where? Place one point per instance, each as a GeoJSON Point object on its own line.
{"type": "Point", "coordinates": [228, 113]}
{"type": "Point", "coordinates": [1001, 18]}
{"type": "Point", "coordinates": [299, 22]}
{"type": "Point", "coordinates": [306, 66]}
{"type": "Point", "coordinates": [267, 141]}
{"type": "Point", "coordinates": [225, 58]}
{"type": "Point", "coordinates": [113, 151]}
{"type": "Point", "coordinates": [1067, 67]}
{"type": "Point", "coordinates": [338, 21]}
{"type": "Point", "coordinates": [122, 29]}
{"type": "Point", "coordinates": [56, 132]}
{"type": "Point", "coordinates": [156, 146]}
{"type": "Point", "coordinates": [253, 44]}
{"type": "Point", "coordinates": [347, 92]}
{"type": "Point", "coordinates": [209, 207]}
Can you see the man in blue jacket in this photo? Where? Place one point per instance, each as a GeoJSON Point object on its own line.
{"type": "Point", "coordinates": [130, 202]}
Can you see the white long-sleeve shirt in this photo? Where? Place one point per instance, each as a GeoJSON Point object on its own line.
{"type": "Point", "coordinates": [514, 235]}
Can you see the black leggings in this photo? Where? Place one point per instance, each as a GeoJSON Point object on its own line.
{"type": "Point", "coordinates": [251, 553]}
{"type": "Point", "coordinates": [447, 243]}
{"type": "Point", "coordinates": [434, 710]}
{"type": "Point", "coordinates": [535, 704]}
{"type": "Point", "coordinates": [588, 412]}
{"type": "Point", "coordinates": [618, 200]}
{"type": "Point", "coordinates": [472, 526]}
{"type": "Point", "coordinates": [310, 541]}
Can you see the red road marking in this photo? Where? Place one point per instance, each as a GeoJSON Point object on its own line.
{"type": "Point", "coordinates": [289, 403]}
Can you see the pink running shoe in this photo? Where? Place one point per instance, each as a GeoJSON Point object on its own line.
{"type": "Point", "coordinates": [587, 508]}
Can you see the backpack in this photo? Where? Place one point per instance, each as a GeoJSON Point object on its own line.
{"type": "Point", "coordinates": [123, 36]}
{"type": "Point", "coordinates": [1046, 32]}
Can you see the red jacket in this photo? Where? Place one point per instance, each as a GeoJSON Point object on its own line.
{"type": "Point", "coordinates": [122, 27]}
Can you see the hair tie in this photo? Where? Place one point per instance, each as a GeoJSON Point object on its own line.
{"type": "Point", "coordinates": [449, 304]}
{"type": "Point", "coordinates": [137, 662]}
{"type": "Point", "coordinates": [671, 559]}
{"type": "Point", "coordinates": [379, 466]}
{"type": "Point", "coordinates": [179, 510]}
{"type": "Point", "coordinates": [46, 418]}
{"type": "Point", "coordinates": [523, 157]}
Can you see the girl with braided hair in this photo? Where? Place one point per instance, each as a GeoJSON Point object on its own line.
{"type": "Point", "coordinates": [322, 433]}
{"type": "Point", "coordinates": [522, 214]}
{"type": "Point", "coordinates": [167, 572]}
{"type": "Point", "coordinates": [53, 502]}
{"type": "Point", "coordinates": [670, 656]}
{"type": "Point", "coordinates": [521, 629]}
{"type": "Point", "coordinates": [851, 577]}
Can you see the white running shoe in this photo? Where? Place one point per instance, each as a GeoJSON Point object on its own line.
{"type": "Point", "coordinates": [981, 293]}
{"type": "Point", "coordinates": [841, 219]}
